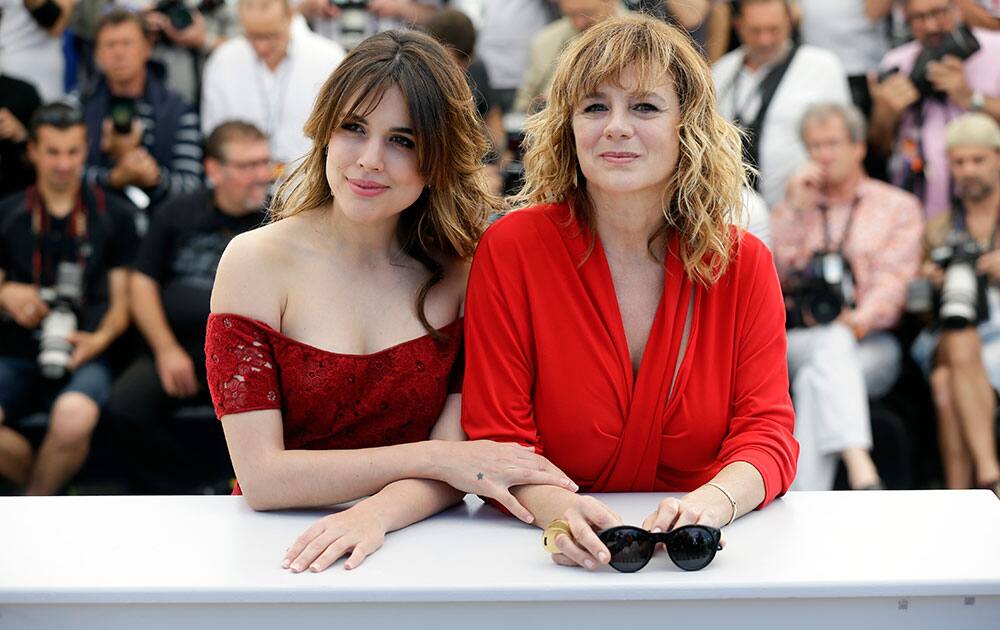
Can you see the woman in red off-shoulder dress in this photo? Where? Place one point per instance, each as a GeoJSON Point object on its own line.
{"type": "Point", "coordinates": [334, 345]}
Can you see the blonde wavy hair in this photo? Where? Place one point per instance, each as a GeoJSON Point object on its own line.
{"type": "Point", "coordinates": [702, 199]}
{"type": "Point", "coordinates": [445, 223]}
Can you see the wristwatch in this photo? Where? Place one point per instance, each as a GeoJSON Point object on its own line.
{"type": "Point", "coordinates": [977, 102]}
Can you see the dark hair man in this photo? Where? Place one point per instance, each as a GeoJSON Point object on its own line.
{"type": "Point", "coordinates": [169, 296]}
{"type": "Point", "coordinates": [64, 252]}
{"type": "Point", "coordinates": [142, 134]}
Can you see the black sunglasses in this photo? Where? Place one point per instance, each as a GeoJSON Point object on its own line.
{"type": "Point", "coordinates": [691, 547]}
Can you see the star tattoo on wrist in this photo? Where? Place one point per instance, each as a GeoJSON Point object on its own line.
{"type": "Point", "coordinates": [480, 476]}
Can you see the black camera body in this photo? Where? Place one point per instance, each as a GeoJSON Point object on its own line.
{"type": "Point", "coordinates": [178, 13]}
{"type": "Point", "coordinates": [962, 300]}
{"type": "Point", "coordinates": [121, 111]}
{"type": "Point", "coordinates": [959, 43]}
{"type": "Point", "coordinates": [354, 21]}
{"type": "Point", "coordinates": [818, 293]}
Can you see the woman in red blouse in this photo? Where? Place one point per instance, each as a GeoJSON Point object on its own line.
{"type": "Point", "coordinates": [334, 341]}
{"type": "Point", "coordinates": [617, 323]}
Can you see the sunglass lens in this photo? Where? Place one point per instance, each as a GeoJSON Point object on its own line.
{"type": "Point", "coordinates": [630, 547]}
{"type": "Point", "coordinates": [691, 547]}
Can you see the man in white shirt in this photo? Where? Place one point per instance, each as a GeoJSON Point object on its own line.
{"type": "Point", "coordinates": [812, 75]}
{"type": "Point", "coordinates": [269, 77]}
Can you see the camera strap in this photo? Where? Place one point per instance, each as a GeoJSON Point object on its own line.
{"type": "Point", "coordinates": [847, 227]}
{"type": "Point", "coordinates": [754, 128]}
{"type": "Point", "coordinates": [961, 224]}
{"type": "Point", "coordinates": [77, 229]}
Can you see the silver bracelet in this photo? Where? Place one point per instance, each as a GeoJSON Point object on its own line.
{"type": "Point", "coordinates": [728, 496]}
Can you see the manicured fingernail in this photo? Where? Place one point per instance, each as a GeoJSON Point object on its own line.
{"type": "Point", "coordinates": [588, 563]}
{"type": "Point", "coordinates": [314, 568]}
{"type": "Point", "coordinates": [655, 530]}
{"type": "Point", "coordinates": [285, 564]}
{"type": "Point", "coordinates": [348, 566]}
{"type": "Point", "coordinates": [296, 567]}
{"type": "Point", "coordinates": [603, 557]}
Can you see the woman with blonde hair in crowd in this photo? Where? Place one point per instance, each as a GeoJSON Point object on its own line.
{"type": "Point", "coordinates": [333, 348]}
{"type": "Point", "coordinates": [617, 322]}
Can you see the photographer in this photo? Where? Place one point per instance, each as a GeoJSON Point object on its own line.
{"type": "Point", "coordinates": [64, 249]}
{"type": "Point", "coordinates": [269, 76]}
{"type": "Point", "coordinates": [31, 43]}
{"type": "Point", "coordinates": [185, 33]}
{"type": "Point", "coordinates": [923, 85]}
{"type": "Point", "coordinates": [966, 353]}
{"type": "Point", "coordinates": [142, 134]}
{"type": "Point", "coordinates": [169, 296]}
{"type": "Point", "coordinates": [845, 246]}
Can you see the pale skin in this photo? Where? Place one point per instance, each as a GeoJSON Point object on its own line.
{"type": "Point", "coordinates": [58, 156]}
{"type": "Point", "coordinates": [963, 396]}
{"type": "Point", "coordinates": [335, 278]}
{"type": "Point", "coordinates": [627, 147]}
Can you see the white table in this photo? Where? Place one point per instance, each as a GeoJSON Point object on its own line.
{"type": "Point", "coordinates": [815, 560]}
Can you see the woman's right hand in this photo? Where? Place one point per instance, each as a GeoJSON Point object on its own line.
{"type": "Point", "coordinates": [586, 516]}
{"type": "Point", "coordinates": [490, 469]}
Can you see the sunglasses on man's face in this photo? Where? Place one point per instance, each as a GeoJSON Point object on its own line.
{"type": "Point", "coordinates": [691, 547]}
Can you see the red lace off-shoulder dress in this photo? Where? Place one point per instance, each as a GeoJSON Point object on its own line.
{"type": "Point", "coordinates": [330, 400]}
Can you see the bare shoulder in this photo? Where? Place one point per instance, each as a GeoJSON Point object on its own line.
{"type": "Point", "coordinates": [250, 280]}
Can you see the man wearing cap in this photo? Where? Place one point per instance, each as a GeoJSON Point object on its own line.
{"type": "Point", "coordinates": [966, 361]}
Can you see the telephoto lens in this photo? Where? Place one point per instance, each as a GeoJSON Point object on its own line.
{"type": "Point", "coordinates": [55, 349]}
{"type": "Point", "coordinates": [959, 295]}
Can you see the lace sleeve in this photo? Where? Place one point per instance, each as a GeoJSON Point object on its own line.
{"type": "Point", "coordinates": [239, 361]}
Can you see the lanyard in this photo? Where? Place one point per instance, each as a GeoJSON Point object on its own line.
{"type": "Point", "coordinates": [40, 225]}
{"type": "Point", "coordinates": [273, 105]}
{"type": "Point", "coordinates": [847, 228]}
{"type": "Point", "coordinates": [962, 225]}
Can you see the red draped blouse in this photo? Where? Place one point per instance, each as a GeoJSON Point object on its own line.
{"type": "Point", "coordinates": [330, 400]}
{"type": "Point", "coordinates": [547, 363]}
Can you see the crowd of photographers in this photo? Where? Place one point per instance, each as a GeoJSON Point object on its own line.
{"type": "Point", "coordinates": [137, 138]}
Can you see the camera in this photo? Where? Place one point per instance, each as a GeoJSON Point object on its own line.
{"type": "Point", "coordinates": [820, 291]}
{"type": "Point", "coordinates": [963, 294]}
{"type": "Point", "coordinates": [121, 111]}
{"type": "Point", "coordinates": [512, 172]}
{"type": "Point", "coordinates": [354, 21]}
{"type": "Point", "coordinates": [54, 348]}
{"type": "Point", "coordinates": [178, 13]}
{"type": "Point", "coordinates": [959, 43]}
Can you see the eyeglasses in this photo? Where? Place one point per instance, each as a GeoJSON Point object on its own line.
{"type": "Point", "coordinates": [934, 14]}
{"type": "Point", "coordinates": [691, 547]}
{"type": "Point", "coordinates": [247, 166]}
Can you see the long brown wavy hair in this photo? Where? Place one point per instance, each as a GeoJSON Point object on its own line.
{"type": "Point", "coordinates": [702, 197]}
{"type": "Point", "coordinates": [444, 224]}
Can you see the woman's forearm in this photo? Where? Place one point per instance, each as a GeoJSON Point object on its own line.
{"type": "Point", "coordinates": [546, 503]}
{"type": "Point", "coordinates": [409, 501]}
{"type": "Point", "coordinates": [743, 483]}
{"type": "Point", "coordinates": [280, 479]}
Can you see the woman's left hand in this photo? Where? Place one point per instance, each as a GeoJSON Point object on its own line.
{"type": "Point", "coordinates": [672, 513]}
{"type": "Point", "coordinates": [355, 530]}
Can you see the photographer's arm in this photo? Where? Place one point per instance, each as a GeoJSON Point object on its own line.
{"type": "Point", "coordinates": [87, 346]}
{"type": "Point", "coordinates": [975, 14]}
{"type": "Point", "coordinates": [689, 13]}
{"type": "Point", "coordinates": [877, 10]}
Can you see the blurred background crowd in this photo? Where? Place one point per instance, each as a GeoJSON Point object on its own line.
{"type": "Point", "coordinates": [138, 138]}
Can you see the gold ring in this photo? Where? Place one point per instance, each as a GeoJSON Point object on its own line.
{"type": "Point", "coordinates": [552, 532]}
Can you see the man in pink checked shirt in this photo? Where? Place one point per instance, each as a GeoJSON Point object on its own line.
{"type": "Point", "coordinates": [831, 205]}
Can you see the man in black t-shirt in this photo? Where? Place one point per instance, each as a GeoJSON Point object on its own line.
{"type": "Point", "coordinates": [170, 292]}
{"type": "Point", "coordinates": [65, 248]}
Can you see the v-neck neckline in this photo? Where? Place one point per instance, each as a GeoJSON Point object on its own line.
{"type": "Point", "coordinates": [618, 321]}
